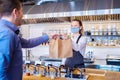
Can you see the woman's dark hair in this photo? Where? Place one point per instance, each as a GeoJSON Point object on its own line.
{"type": "Point", "coordinates": [80, 23]}
{"type": "Point", "coordinates": [7, 6]}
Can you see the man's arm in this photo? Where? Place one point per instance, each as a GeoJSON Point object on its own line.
{"type": "Point", "coordinates": [34, 41]}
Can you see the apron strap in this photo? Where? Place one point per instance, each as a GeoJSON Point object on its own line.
{"type": "Point", "coordinates": [78, 38]}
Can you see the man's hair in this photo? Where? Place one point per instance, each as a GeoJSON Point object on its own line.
{"type": "Point", "coordinates": [7, 6]}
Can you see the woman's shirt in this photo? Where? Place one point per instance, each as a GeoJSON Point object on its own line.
{"type": "Point", "coordinates": [81, 45]}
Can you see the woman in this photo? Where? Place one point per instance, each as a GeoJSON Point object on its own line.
{"type": "Point", "coordinates": [79, 45]}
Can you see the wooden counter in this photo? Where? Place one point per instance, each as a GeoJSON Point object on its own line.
{"type": "Point", "coordinates": [89, 77]}
{"type": "Point", "coordinates": [46, 78]}
{"type": "Point", "coordinates": [40, 78]}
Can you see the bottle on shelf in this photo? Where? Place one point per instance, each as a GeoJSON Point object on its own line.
{"type": "Point", "coordinates": [114, 31]}
{"type": "Point", "coordinates": [93, 30]}
{"type": "Point", "coordinates": [105, 31]}
{"type": "Point", "coordinates": [109, 29]}
{"type": "Point", "coordinates": [100, 30]}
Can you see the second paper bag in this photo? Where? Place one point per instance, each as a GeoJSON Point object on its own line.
{"type": "Point", "coordinates": [60, 48]}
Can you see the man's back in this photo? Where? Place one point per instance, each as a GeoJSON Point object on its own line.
{"type": "Point", "coordinates": [10, 53]}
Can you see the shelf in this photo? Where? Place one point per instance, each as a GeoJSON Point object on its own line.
{"type": "Point", "coordinates": [104, 46]}
{"type": "Point", "coordinates": [104, 36]}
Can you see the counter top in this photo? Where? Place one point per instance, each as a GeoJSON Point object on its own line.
{"type": "Point", "coordinates": [47, 78]}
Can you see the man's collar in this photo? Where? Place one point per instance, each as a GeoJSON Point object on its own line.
{"type": "Point", "coordinates": [10, 25]}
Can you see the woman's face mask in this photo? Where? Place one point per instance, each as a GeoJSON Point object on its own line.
{"type": "Point", "coordinates": [75, 29]}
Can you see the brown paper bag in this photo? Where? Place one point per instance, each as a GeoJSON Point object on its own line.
{"type": "Point", "coordinates": [60, 48]}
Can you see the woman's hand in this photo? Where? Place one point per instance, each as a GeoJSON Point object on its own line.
{"type": "Point", "coordinates": [55, 36]}
{"type": "Point", "coordinates": [65, 36]}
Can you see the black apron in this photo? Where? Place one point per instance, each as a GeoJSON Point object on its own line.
{"type": "Point", "coordinates": [77, 60]}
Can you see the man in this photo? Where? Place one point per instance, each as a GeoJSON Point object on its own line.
{"type": "Point", "coordinates": [10, 43]}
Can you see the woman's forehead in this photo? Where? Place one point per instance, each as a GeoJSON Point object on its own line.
{"type": "Point", "coordinates": [75, 23]}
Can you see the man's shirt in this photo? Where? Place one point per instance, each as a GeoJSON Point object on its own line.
{"type": "Point", "coordinates": [11, 50]}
